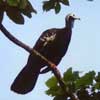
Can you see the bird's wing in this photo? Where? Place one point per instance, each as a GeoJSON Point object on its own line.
{"type": "Point", "coordinates": [47, 36]}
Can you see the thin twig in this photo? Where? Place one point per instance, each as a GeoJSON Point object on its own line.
{"type": "Point", "coordinates": [31, 50]}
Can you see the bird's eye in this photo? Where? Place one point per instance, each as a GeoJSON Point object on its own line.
{"type": "Point", "coordinates": [73, 14]}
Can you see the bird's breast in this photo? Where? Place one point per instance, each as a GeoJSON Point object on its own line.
{"type": "Point", "coordinates": [56, 48]}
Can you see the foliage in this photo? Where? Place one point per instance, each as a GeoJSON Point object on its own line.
{"type": "Point", "coordinates": [54, 4]}
{"type": "Point", "coordinates": [86, 87]}
{"type": "Point", "coordinates": [15, 9]}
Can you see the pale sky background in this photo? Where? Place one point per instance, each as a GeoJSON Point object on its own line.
{"type": "Point", "coordinates": [83, 53]}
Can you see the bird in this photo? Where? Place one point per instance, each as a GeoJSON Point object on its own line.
{"type": "Point", "coordinates": [53, 45]}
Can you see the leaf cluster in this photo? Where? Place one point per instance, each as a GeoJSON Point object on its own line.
{"type": "Point", "coordinates": [86, 87]}
{"type": "Point", "coordinates": [15, 9]}
{"type": "Point", "coordinates": [54, 4]}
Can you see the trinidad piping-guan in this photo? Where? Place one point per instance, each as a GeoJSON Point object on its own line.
{"type": "Point", "coordinates": [52, 44]}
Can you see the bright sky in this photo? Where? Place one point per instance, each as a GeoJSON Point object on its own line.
{"type": "Point", "coordinates": [83, 53]}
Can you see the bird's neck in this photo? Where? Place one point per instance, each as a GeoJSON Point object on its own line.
{"type": "Point", "coordinates": [69, 25]}
{"type": "Point", "coordinates": [68, 28]}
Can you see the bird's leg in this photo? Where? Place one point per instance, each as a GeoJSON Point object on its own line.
{"type": "Point", "coordinates": [47, 69]}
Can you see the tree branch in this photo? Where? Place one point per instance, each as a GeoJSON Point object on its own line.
{"type": "Point", "coordinates": [31, 50]}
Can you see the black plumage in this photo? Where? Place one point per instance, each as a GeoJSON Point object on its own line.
{"type": "Point", "coordinates": [52, 44]}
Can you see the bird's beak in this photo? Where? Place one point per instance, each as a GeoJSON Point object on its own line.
{"type": "Point", "coordinates": [77, 18]}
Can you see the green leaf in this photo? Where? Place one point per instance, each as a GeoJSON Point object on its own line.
{"type": "Point", "coordinates": [55, 91]}
{"type": "Point", "coordinates": [57, 8]}
{"type": "Point", "coordinates": [13, 2]}
{"type": "Point", "coordinates": [52, 82]}
{"type": "Point", "coordinates": [48, 5]}
{"type": "Point", "coordinates": [97, 85]}
{"type": "Point", "coordinates": [65, 2]}
{"type": "Point", "coordinates": [54, 4]}
{"type": "Point", "coordinates": [76, 75]}
{"type": "Point", "coordinates": [85, 80]}
{"type": "Point", "coordinates": [23, 4]}
{"type": "Point", "coordinates": [50, 92]}
{"type": "Point", "coordinates": [68, 75]}
{"type": "Point", "coordinates": [60, 97]}
{"type": "Point", "coordinates": [15, 15]}
{"type": "Point", "coordinates": [28, 10]}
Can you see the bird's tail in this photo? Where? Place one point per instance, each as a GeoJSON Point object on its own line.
{"type": "Point", "coordinates": [26, 79]}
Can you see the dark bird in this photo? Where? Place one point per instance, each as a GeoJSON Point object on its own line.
{"type": "Point", "coordinates": [52, 44]}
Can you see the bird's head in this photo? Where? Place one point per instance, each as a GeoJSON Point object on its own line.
{"type": "Point", "coordinates": [70, 18]}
